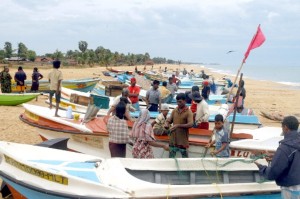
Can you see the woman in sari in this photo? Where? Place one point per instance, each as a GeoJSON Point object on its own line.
{"type": "Point", "coordinates": [143, 136]}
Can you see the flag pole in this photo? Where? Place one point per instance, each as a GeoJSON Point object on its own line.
{"type": "Point", "coordinates": [238, 72]}
{"type": "Point", "coordinates": [235, 105]}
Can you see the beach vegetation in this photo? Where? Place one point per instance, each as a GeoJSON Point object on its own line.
{"type": "Point", "coordinates": [80, 57]}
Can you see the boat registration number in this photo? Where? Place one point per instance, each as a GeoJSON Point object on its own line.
{"type": "Point", "coordinates": [37, 172]}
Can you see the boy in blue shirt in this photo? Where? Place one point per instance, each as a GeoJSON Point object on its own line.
{"type": "Point", "coordinates": [221, 139]}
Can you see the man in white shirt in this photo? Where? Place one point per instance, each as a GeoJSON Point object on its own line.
{"type": "Point", "coordinates": [202, 113]}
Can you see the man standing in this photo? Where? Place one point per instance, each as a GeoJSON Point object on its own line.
{"type": "Point", "coordinates": [134, 92]}
{"type": "Point", "coordinates": [153, 100]}
{"type": "Point", "coordinates": [285, 164]}
{"type": "Point", "coordinates": [20, 78]}
{"type": "Point", "coordinates": [55, 78]}
{"type": "Point", "coordinates": [202, 111]}
{"type": "Point", "coordinates": [5, 80]}
{"type": "Point", "coordinates": [172, 87]}
{"type": "Point", "coordinates": [182, 119]}
{"type": "Point", "coordinates": [164, 92]}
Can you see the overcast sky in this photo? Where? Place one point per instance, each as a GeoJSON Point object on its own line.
{"type": "Point", "coordinates": [188, 30]}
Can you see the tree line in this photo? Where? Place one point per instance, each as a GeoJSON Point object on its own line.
{"type": "Point", "coordinates": [85, 56]}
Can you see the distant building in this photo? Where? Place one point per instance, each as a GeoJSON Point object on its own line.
{"type": "Point", "coordinates": [43, 60]}
{"type": "Point", "coordinates": [17, 59]}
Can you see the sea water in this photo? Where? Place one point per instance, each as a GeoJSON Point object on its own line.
{"type": "Point", "coordinates": [286, 75]}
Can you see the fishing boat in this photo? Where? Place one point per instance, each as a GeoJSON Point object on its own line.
{"type": "Point", "coordinates": [43, 117]}
{"type": "Point", "coordinates": [29, 173]}
{"type": "Point", "coordinates": [95, 131]}
{"type": "Point", "coordinates": [118, 71]}
{"type": "Point", "coordinates": [84, 85]}
{"type": "Point", "coordinates": [243, 142]}
{"type": "Point", "coordinates": [13, 99]}
{"type": "Point", "coordinates": [269, 144]}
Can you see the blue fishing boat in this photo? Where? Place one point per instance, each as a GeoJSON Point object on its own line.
{"type": "Point", "coordinates": [37, 172]}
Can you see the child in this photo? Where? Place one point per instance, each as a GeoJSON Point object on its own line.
{"type": "Point", "coordinates": [221, 140]}
{"type": "Point", "coordinates": [55, 78]}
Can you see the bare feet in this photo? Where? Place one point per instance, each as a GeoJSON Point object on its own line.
{"type": "Point", "coordinates": [56, 115]}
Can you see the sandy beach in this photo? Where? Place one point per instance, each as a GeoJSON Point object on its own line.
{"type": "Point", "coordinates": [261, 95]}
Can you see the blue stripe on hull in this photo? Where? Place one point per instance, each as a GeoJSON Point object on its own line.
{"type": "Point", "coordinates": [86, 89]}
{"type": "Point", "coordinates": [241, 119]}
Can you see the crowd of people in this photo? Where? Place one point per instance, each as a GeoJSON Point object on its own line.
{"type": "Point", "coordinates": [19, 78]}
{"type": "Point", "coordinates": [175, 124]}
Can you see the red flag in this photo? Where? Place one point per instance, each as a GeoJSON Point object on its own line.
{"type": "Point", "coordinates": [257, 40]}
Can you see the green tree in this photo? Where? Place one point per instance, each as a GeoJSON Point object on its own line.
{"type": "Point", "coordinates": [58, 55]}
{"type": "Point", "coordinates": [82, 45]}
{"type": "Point", "coordinates": [22, 50]}
{"type": "Point", "coordinates": [8, 49]}
{"type": "Point", "coordinates": [31, 55]}
{"type": "Point", "coordinates": [2, 54]}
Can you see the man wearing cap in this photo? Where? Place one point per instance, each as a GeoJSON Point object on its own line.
{"type": "Point", "coordinates": [159, 122]}
{"type": "Point", "coordinates": [202, 111]}
{"type": "Point", "coordinates": [134, 92]}
{"type": "Point", "coordinates": [205, 90]}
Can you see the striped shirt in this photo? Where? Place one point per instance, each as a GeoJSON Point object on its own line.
{"type": "Point", "coordinates": [118, 130]}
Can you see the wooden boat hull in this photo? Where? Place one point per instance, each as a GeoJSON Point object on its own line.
{"type": "Point", "coordinates": [98, 144]}
{"type": "Point", "coordinates": [84, 85]}
{"type": "Point", "coordinates": [10, 99]}
{"type": "Point", "coordinates": [63, 174]}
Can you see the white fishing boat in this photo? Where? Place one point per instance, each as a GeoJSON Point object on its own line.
{"type": "Point", "coordinates": [36, 172]}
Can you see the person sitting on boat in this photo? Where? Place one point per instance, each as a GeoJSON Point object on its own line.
{"type": "Point", "coordinates": [172, 87]}
{"type": "Point", "coordinates": [175, 80]}
{"type": "Point", "coordinates": [159, 122]}
{"type": "Point", "coordinates": [285, 163]}
{"type": "Point", "coordinates": [5, 80]}
{"type": "Point", "coordinates": [221, 138]}
{"type": "Point", "coordinates": [143, 137]}
{"type": "Point", "coordinates": [191, 74]}
{"type": "Point", "coordinates": [118, 132]}
{"type": "Point", "coordinates": [153, 97]}
{"type": "Point", "coordinates": [164, 92]}
{"type": "Point", "coordinates": [182, 119]}
{"type": "Point", "coordinates": [134, 92]}
{"type": "Point", "coordinates": [20, 78]}
{"type": "Point", "coordinates": [36, 77]}
{"type": "Point", "coordinates": [125, 94]}
{"type": "Point", "coordinates": [205, 90]}
{"type": "Point", "coordinates": [202, 112]}
{"type": "Point", "coordinates": [184, 72]}
{"type": "Point", "coordinates": [203, 75]}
